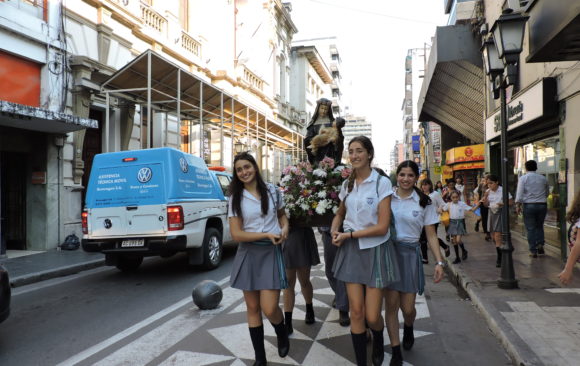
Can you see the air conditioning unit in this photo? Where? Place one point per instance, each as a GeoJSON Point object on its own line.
{"type": "Point", "coordinates": [517, 6]}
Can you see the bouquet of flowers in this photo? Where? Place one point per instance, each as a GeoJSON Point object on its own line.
{"type": "Point", "coordinates": [312, 191]}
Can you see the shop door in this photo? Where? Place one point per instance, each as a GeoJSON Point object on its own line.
{"type": "Point", "coordinates": [13, 200]}
{"type": "Point", "coordinates": [91, 147]}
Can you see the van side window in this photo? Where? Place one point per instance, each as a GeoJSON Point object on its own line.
{"type": "Point", "coordinates": [224, 183]}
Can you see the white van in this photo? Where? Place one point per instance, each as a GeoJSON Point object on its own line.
{"type": "Point", "coordinates": [155, 202]}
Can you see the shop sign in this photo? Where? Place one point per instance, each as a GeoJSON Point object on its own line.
{"type": "Point", "coordinates": [416, 143]}
{"type": "Point", "coordinates": [467, 166]}
{"type": "Point", "coordinates": [531, 105]}
{"type": "Point", "coordinates": [465, 154]}
{"type": "Point", "coordinates": [447, 173]}
{"type": "Point", "coordinates": [437, 169]}
{"type": "Point", "coordinates": [436, 142]}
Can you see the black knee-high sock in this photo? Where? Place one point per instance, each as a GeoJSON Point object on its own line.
{"type": "Point", "coordinates": [396, 353]}
{"type": "Point", "coordinates": [498, 251]}
{"type": "Point", "coordinates": [288, 321]}
{"type": "Point", "coordinates": [359, 342]}
{"type": "Point", "coordinates": [443, 245]}
{"type": "Point", "coordinates": [257, 336]}
{"type": "Point", "coordinates": [462, 247]}
{"type": "Point", "coordinates": [282, 335]}
{"type": "Point", "coordinates": [456, 248]}
{"type": "Point", "coordinates": [378, 347]}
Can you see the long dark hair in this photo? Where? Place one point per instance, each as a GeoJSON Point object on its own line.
{"type": "Point", "coordinates": [329, 114]}
{"type": "Point", "coordinates": [424, 200]}
{"type": "Point", "coordinates": [236, 187]}
{"type": "Point", "coordinates": [574, 213]}
{"type": "Point", "coordinates": [368, 146]}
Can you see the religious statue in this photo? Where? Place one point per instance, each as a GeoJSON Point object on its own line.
{"type": "Point", "coordinates": [324, 134]}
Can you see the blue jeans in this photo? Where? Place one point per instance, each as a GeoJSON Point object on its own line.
{"type": "Point", "coordinates": [534, 216]}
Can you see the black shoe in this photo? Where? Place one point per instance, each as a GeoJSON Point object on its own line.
{"type": "Point", "coordinates": [309, 318]}
{"type": "Point", "coordinates": [487, 237]}
{"type": "Point", "coordinates": [533, 255]}
{"type": "Point", "coordinates": [464, 255]}
{"type": "Point", "coordinates": [541, 250]}
{"type": "Point", "coordinates": [425, 261]}
{"type": "Point", "coordinates": [396, 356]}
{"type": "Point", "coordinates": [283, 341]}
{"type": "Point", "coordinates": [343, 318]}
{"type": "Point", "coordinates": [408, 337]}
{"type": "Point", "coordinates": [396, 362]}
{"type": "Point", "coordinates": [260, 363]}
{"type": "Point", "coordinates": [457, 260]}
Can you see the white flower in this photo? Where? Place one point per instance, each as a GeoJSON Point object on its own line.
{"type": "Point", "coordinates": [304, 206]}
{"type": "Point", "coordinates": [318, 182]}
{"type": "Point", "coordinates": [334, 209]}
{"type": "Point", "coordinates": [339, 168]}
{"type": "Point", "coordinates": [322, 194]}
{"type": "Point", "coordinates": [285, 179]}
{"type": "Point", "coordinates": [319, 173]}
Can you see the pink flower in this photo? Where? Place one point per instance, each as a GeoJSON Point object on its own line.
{"type": "Point", "coordinates": [333, 195]}
{"type": "Point", "coordinates": [345, 173]}
{"type": "Point", "coordinates": [310, 212]}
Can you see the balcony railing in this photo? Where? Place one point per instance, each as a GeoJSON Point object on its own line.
{"type": "Point", "coordinates": [252, 79]}
{"type": "Point", "coordinates": [190, 44]}
{"type": "Point", "coordinates": [153, 19]}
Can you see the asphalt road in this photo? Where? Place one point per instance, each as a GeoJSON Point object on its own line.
{"type": "Point", "coordinates": [106, 317]}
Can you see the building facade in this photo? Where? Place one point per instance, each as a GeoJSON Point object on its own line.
{"type": "Point", "coordinates": [356, 126]}
{"type": "Point", "coordinates": [137, 74]}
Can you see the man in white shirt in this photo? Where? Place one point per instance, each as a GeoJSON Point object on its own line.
{"type": "Point", "coordinates": [532, 193]}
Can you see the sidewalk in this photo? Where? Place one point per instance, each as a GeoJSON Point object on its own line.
{"type": "Point", "coordinates": [538, 323]}
{"type": "Point", "coordinates": [53, 263]}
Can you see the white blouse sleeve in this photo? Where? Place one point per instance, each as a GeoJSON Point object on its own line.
{"type": "Point", "coordinates": [230, 208]}
{"type": "Point", "coordinates": [431, 216]}
{"type": "Point", "coordinates": [385, 188]}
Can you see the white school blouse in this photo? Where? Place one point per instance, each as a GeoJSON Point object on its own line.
{"type": "Point", "coordinates": [253, 220]}
{"type": "Point", "coordinates": [362, 205]}
{"type": "Point", "coordinates": [495, 197]}
{"type": "Point", "coordinates": [410, 217]}
{"type": "Point", "coordinates": [436, 200]}
{"type": "Point", "coordinates": [456, 210]}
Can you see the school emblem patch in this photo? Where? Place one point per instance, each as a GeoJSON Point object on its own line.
{"type": "Point", "coordinates": [370, 200]}
{"type": "Point", "coordinates": [415, 213]}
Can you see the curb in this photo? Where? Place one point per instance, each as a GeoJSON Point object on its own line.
{"type": "Point", "coordinates": [468, 284]}
{"type": "Point", "coordinates": [55, 272]}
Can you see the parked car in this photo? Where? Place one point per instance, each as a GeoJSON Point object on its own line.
{"type": "Point", "coordinates": [5, 294]}
{"type": "Point", "coordinates": [154, 202]}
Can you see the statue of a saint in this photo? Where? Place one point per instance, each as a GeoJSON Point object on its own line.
{"type": "Point", "coordinates": [324, 134]}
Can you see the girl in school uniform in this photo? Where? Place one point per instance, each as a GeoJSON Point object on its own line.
{"type": "Point", "coordinates": [412, 211]}
{"type": "Point", "coordinates": [258, 222]}
{"type": "Point", "coordinates": [493, 199]}
{"type": "Point", "coordinates": [437, 201]}
{"type": "Point", "coordinates": [365, 257]}
{"type": "Point", "coordinates": [457, 209]}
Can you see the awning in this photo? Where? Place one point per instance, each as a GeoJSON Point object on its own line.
{"type": "Point", "coordinates": [452, 91]}
{"type": "Point", "coordinates": [554, 30]}
{"type": "Point", "coordinates": [150, 78]}
{"type": "Point", "coordinates": [41, 119]}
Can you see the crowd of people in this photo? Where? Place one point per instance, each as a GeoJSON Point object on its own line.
{"type": "Point", "coordinates": [374, 249]}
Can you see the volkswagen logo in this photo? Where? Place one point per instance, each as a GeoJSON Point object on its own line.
{"type": "Point", "coordinates": [108, 224]}
{"type": "Point", "coordinates": [144, 175]}
{"type": "Point", "coordinates": [183, 165]}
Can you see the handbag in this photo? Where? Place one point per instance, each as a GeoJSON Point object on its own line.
{"type": "Point", "coordinates": [444, 218]}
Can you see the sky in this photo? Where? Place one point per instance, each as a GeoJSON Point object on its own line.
{"type": "Point", "coordinates": [373, 37]}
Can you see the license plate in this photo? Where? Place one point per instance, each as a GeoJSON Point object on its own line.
{"type": "Point", "coordinates": [132, 243]}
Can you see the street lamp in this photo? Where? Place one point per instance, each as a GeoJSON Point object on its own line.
{"type": "Point", "coordinates": [501, 60]}
{"type": "Point", "coordinates": [239, 147]}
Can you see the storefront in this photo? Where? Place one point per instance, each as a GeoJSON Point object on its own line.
{"type": "Point", "coordinates": [533, 134]}
{"type": "Point", "coordinates": [467, 163]}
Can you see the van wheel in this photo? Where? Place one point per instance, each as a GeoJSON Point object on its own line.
{"type": "Point", "coordinates": [212, 248]}
{"type": "Point", "coordinates": [128, 264]}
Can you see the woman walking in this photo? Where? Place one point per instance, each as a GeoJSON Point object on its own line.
{"type": "Point", "coordinates": [300, 254]}
{"type": "Point", "coordinates": [412, 211]}
{"type": "Point", "coordinates": [365, 258]}
{"type": "Point", "coordinates": [258, 222]}
{"type": "Point", "coordinates": [437, 201]}
{"type": "Point", "coordinates": [493, 199]}
{"type": "Point", "coordinates": [479, 194]}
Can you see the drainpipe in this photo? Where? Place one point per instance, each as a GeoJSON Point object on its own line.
{"type": "Point", "coordinates": [59, 143]}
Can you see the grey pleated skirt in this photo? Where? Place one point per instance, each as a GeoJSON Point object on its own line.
{"type": "Point", "coordinates": [494, 222]}
{"type": "Point", "coordinates": [407, 259]}
{"type": "Point", "coordinates": [374, 267]}
{"type": "Point", "coordinates": [300, 249]}
{"type": "Point", "coordinates": [258, 267]}
{"type": "Point", "coordinates": [456, 227]}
